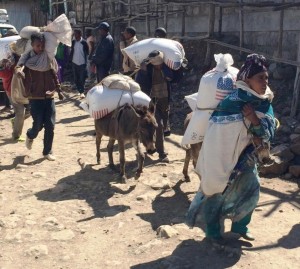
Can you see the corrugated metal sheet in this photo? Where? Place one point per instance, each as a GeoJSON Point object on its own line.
{"type": "Point", "coordinates": [19, 12]}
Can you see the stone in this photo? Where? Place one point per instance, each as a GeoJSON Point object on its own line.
{"type": "Point", "coordinates": [295, 148]}
{"type": "Point", "coordinates": [295, 138]}
{"type": "Point", "coordinates": [159, 184]}
{"type": "Point", "coordinates": [277, 168]}
{"type": "Point", "coordinates": [282, 151]}
{"type": "Point", "coordinates": [21, 166]}
{"type": "Point", "coordinates": [39, 174]}
{"type": "Point", "coordinates": [37, 251]}
{"type": "Point", "coordinates": [297, 130]}
{"type": "Point", "coordinates": [64, 235]}
{"type": "Point", "coordinates": [166, 231]}
{"type": "Point", "coordinates": [51, 224]}
{"type": "Point", "coordinates": [294, 170]}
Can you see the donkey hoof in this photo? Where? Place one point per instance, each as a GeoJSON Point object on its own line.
{"type": "Point", "coordinates": [112, 166]}
{"type": "Point", "coordinates": [123, 179]}
{"type": "Point", "coordinates": [137, 175]}
{"type": "Point", "coordinates": [98, 162]}
{"type": "Point", "coordinates": [187, 178]}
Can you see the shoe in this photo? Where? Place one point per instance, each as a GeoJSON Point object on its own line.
{"type": "Point", "coordinates": [50, 157]}
{"type": "Point", "coordinates": [167, 133]}
{"type": "Point", "coordinates": [82, 95]}
{"type": "Point", "coordinates": [28, 142]}
{"type": "Point", "coordinates": [12, 120]}
{"type": "Point", "coordinates": [19, 139]}
{"type": "Point", "coordinates": [164, 159]}
{"type": "Point", "coordinates": [248, 236]}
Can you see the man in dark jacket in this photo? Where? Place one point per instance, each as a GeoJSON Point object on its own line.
{"type": "Point", "coordinates": [154, 78]}
{"type": "Point", "coordinates": [78, 56]}
{"type": "Point", "coordinates": [103, 56]}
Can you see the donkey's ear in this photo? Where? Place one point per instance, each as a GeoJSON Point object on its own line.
{"type": "Point", "coordinates": [152, 106]}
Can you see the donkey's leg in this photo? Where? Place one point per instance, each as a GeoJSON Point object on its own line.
{"type": "Point", "coordinates": [140, 158]}
{"type": "Point", "coordinates": [188, 155]}
{"type": "Point", "coordinates": [122, 161]}
{"type": "Point", "coordinates": [110, 147]}
{"type": "Point", "coordinates": [98, 142]}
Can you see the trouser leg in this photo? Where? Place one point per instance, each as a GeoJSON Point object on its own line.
{"type": "Point", "coordinates": [212, 213]}
{"type": "Point", "coordinates": [159, 143]}
{"type": "Point", "coordinates": [241, 225]}
{"type": "Point", "coordinates": [18, 120]}
{"type": "Point", "coordinates": [37, 113]}
{"type": "Point", "coordinates": [101, 73]}
{"type": "Point", "coordinates": [49, 123]}
{"type": "Point", "coordinates": [81, 77]}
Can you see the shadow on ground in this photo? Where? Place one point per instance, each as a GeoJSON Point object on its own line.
{"type": "Point", "coordinates": [194, 255]}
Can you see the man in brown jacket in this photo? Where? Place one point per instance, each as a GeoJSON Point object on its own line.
{"type": "Point", "coordinates": [40, 82]}
{"type": "Point", "coordinates": [128, 38]}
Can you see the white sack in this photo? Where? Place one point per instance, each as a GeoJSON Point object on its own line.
{"type": "Point", "coordinates": [51, 43]}
{"type": "Point", "coordinates": [27, 31]}
{"type": "Point", "coordinates": [192, 100]}
{"type": "Point", "coordinates": [61, 29]}
{"type": "Point", "coordinates": [173, 51]}
{"type": "Point", "coordinates": [214, 86]}
{"type": "Point", "coordinates": [100, 100]}
{"type": "Point", "coordinates": [121, 82]}
{"type": "Point", "coordinates": [4, 46]}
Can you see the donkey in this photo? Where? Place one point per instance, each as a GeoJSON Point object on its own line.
{"type": "Point", "coordinates": [191, 152]}
{"type": "Point", "coordinates": [128, 124]}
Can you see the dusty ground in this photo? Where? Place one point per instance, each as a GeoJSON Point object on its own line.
{"type": "Point", "coordinates": [73, 214]}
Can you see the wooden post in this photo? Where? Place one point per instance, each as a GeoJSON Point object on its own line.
{"type": "Point", "coordinates": [241, 17]}
{"type": "Point", "coordinates": [148, 19]}
{"type": "Point", "coordinates": [83, 9]}
{"type": "Point", "coordinates": [166, 17]}
{"type": "Point", "coordinates": [295, 99]}
{"type": "Point", "coordinates": [220, 21]}
{"type": "Point", "coordinates": [183, 22]}
{"type": "Point", "coordinates": [280, 36]}
{"type": "Point", "coordinates": [211, 27]}
{"type": "Point", "coordinates": [129, 12]}
{"type": "Point", "coordinates": [156, 13]}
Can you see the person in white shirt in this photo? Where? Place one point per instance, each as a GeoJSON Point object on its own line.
{"type": "Point", "coordinates": [78, 57]}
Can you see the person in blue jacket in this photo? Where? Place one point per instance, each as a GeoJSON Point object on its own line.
{"type": "Point", "coordinates": [155, 79]}
{"type": "Point", "coordinates": [103, 56]}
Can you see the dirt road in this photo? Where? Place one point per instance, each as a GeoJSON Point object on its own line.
{"type": "Point", "coordinates": [72, 213]}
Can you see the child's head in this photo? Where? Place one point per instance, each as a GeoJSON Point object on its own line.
{"type": "Point", "coordinates": [254, 73]}
{"type": "Point", "coordinates": [38, 42]}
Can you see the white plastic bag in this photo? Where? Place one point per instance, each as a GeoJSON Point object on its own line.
{"type": "Point", "coordinates": [192, 100]}
{"type": "Point", "coordinates": [214, 86]}
{"type": "Point", "coordinates": [27, 31]}
{"type": "Point", "coordinates": [173, 51]}
{"type": "Point", "coordinates": [121, 82]}
{"type": "Point", "coordinates": [100, 100]}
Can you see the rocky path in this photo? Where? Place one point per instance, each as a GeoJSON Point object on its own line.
{"type": "Point", "coordinates": [72, 213]}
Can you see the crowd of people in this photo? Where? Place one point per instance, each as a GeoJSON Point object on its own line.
{"type": "Point", "coordinates": [249, 106]}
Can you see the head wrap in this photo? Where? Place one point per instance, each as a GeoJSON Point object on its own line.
{"type": "Point", "coordinates": [160, 32]}
{"type": "Point", "coordinates": [253, 65]}
{"type": "Point", "coordinates": [104, 26]}
{"type": "Point", "coordinates": [131, 30]}
{"type": "Point", "coordinates": [155, 57]}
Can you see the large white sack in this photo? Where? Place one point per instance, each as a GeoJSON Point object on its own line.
{"type": "Point", "coordinates": [51, 43]}
{"type": "Point", "coordinates": [192, 100]}
{"type": "Point", "coordinates": [4, 46]}
{"type": "Point", "coordinates": [121, 82]}
{"type": "Point", "coordinates": [61, 29]}
{"type": "Point", "coordinates": [214, 86]}
{"type": "Point", "coordinates": [100, 100]}
{"type": "Point", "coordinates": [173, 51]}
{"type": "Point", "coordinates": [27, 31]}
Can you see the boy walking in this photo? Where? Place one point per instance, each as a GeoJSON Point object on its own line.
{"type": "Point", "coordinates": [40, 82]}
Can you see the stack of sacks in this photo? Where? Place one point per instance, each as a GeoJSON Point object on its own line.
{"type": "Point", "coordinates": [214, 86]}
{"type": "Point", "coordinates": [112, 92]}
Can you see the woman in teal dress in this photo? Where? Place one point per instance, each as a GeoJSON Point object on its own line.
{"type": "Point", "coordinates": [248, 107]}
